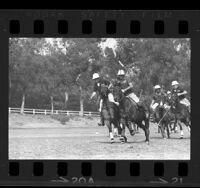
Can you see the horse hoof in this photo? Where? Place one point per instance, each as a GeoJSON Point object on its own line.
{"type": "Point", "coordinates": [122, 140]}
{"type": "Point", "coordinates": [147, 142]}
{"type": "Point", "coordinates": [112, 141]}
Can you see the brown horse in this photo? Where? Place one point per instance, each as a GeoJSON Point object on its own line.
{"type": "Point", "coordinates": [130, 111]}
{"type": "Point", "coordinates": [110, 113]}
{"type": "Point", "coordinates": [164, 117]}
{"type": "Point", "coordinates": [182, 114]}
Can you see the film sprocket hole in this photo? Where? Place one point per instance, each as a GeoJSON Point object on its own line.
{"type": "Point", "coordinates": [99, 98]}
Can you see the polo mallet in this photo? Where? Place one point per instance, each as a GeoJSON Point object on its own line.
{"type": "Point", "coordinates": [163, 117]}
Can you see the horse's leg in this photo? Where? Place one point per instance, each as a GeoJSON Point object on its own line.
{"type": "Point", "coordinates": [188, 124]}
{"type": "Point", "coordinates": [181, 128]}
{"type": "Point", "coordinates": [162, 126]}
{"type": "Point", "coordinates": [122, 127]}
{"type": "Point", "coordinates": [147, 122]}
{"type": "Point", "coordinates": [136, 128]}
{"type": "Point", "coordinates": [145, 129]}
{"type": "Point", "coordinates": [158, 128]}
{"type": "Point", "coordinates": [167, 127]}
{"type": "Point", "coordinates": [175, 126]}
{"type": "Point", "coordinates": [119, 128]}
{"type": "Point", "coordinates": [115, 129]}
{"type": "Point", "coordinates": [109, 125]}
{"type": "Point", "coordinates": [131, 128]}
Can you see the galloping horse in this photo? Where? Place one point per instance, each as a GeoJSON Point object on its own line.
{"type": "Point", "coordinates": [130, 112]}
{"type": "Point", "coordinates": [164, 116]}
{"type": "Point", "coordinates": [181, 112]}
{"type": "Point", "coordinates": [110, 113]}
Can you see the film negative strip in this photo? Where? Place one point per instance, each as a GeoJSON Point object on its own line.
{"type": "Point", "coordinates": [100, 98]}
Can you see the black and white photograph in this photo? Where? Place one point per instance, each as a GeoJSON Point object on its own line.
{"type": "Point", "coordinates": [99, 99]}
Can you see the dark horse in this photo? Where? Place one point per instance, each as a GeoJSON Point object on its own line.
{"type": "Point", "coordinates": [110, 113]}
{"type": "Point", "coordinates": [164, 116]}
{"type": "Point", "coordinates": [130, 112]}
{"type": "Point", "coordinates": [182, 114]}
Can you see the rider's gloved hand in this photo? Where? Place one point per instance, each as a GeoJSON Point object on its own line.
{"type": "Point", "coordinates": [117, 103]}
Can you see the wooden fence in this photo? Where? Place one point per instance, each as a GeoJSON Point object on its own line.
{"type": "Point", "coordinates": [49, 112]}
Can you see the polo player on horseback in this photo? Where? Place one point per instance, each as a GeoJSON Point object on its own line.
{"type": "Point", "coordinates": [156, 97]}
{"type": "Point", "coordinates": [98, 84]}
{"type": "Point", "coordinates": [178, 92]}
{"type": "Point", "coordinates": [127, 89]}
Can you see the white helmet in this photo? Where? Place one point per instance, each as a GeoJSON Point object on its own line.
{"type": "Point", "coordinates": [95, 76]}
{"type": "Point", "coordinates": [168, 92]}
{"type": "Point", "coordinates": [120, 73]}
{"type": "Point", "coordinates": [157, 87]}
{"type": "Point", "coordinates": [175, 83]}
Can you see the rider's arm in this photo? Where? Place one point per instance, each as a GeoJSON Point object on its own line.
{"type": "Point", "coordinates": [111, 85]}
{"type": "Point", "coordinates": [111, 98]}
{"type": "Point", "coordinates": [93, 94]}
{"type": "Point", "coordinates": [95, 89]}
{"type": "Point", "coordinates": [129, 87]}
{"type": "Point", "coordinates": [100, 105]}
{"type": "Point", "coordinates": [152, 102]}
{"type": "Point", "coordinates": [182, 92]}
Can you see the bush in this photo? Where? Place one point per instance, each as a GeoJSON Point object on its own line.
{"type": "Point", "coordinates": [60, 117]}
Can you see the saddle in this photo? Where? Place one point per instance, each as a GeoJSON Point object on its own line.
{"type": "Point", "coordinates": [137, 105]}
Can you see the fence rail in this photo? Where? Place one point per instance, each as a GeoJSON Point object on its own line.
{"type": "Point", "coordinates": [49, 112]}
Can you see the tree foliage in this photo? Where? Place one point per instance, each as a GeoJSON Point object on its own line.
{"type": "Point", "coordinates": [41, 70]}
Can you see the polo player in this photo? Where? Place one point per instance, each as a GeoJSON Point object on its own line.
{"type": "Point", "coordinates": [98, 84]}
{"type": "Point", "coordinates": [180, 93]}
{"type": "Point", "coordinates": [127, 89]}
{"type": "Point", "coordinates": [156, 97]}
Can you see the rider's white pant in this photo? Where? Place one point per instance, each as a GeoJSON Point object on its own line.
{"type": "Point", "coordinates": [185, 101]}
{"type": "Point", "coordinates": [134, 97]}
{"type": "Point", "coordinates": [154, 106]}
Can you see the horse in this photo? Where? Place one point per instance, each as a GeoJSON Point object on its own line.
{"type": "Point", "coordinates": [182, 114]}
{"type": "Point", "coordinates": [164, 117]}
{"type": "Point", "coordinates": [130, 112]}
{"type": "Point", "coordinates": [110, 113]}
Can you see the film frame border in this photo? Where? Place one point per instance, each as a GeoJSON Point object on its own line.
{"type": "Point", "coordinates": [135, 24]}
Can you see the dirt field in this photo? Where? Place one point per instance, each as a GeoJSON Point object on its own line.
{"type": "Point", "coordinates": [41, 137]}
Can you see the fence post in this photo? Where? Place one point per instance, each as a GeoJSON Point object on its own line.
{"type": "Point", "coordinates": [45, 112]}
{"type": "Point", "coordinates": [34, 111]}
{"type": "Point", "coordinates": [9, 110]}
{"type": "Point", "coordinates": [90, 113]}
{"type": "Point", "coordinates": [67, 113]}
{"type": "Point", "coordinates": [56, 111]}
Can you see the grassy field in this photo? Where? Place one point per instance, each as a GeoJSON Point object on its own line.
{"type": "Point", "coordinates": [51, 137]}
